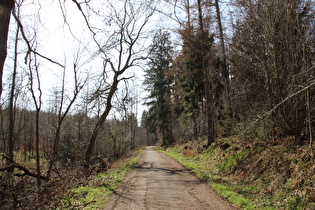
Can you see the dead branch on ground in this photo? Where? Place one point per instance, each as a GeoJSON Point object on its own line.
{"type": "Point", "coordinates": [14, 165]}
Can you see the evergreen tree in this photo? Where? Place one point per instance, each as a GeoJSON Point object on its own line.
{"type": "Point", "coordinates": [192, 76]}
{"type": "Point", "coordinates": [158, 84]}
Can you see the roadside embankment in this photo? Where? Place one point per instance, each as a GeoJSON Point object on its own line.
{"type": "Point", "coordinates": [256, 175]}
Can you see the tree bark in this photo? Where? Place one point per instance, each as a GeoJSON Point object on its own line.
{"type": "Point", "coordinates": [200, 17]}
{"type": "Point", "coordinates": [101, 120]}
{"type": "Point", "coordinates": [225, 69]}
{"type": "Point", "coordinates": [309, 120]}
{"type": "Point", "coordinates": [37, 152]}
{"type": "Point", "coordinates": [5, 13]}
{"type": "Point", "coordinates": [11, 100]}
{"type": "Point", "coordinates": [38, 105]}
{"type": "Point", "coordinates": [207, 80]}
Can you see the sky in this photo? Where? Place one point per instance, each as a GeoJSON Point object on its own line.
{"type": "Point", "coordinates": [63, 36]}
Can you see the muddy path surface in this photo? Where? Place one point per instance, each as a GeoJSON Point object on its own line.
{"type": "Point", "coordinates": [159, 182]}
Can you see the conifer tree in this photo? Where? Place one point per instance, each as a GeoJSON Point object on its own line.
{"type": "Point", "coordinates": [158, 84]}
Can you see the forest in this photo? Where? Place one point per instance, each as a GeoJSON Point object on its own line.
{"type": "Point", "coordinates": [83, 83]}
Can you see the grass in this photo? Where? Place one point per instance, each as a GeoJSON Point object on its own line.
{"type": "Point", "coordinates": [212, 165]}
{"type": "Point", "coordinates": [99, 190]}
{"type": "Point", "coordinates": [200, 168]}
{"type": "Point", "coordinates": [228, 191]}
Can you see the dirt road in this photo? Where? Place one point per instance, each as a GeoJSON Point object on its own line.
{"type": "Point", "coordinates": [159, 182]}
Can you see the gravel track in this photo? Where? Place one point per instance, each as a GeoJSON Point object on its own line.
{"type": "Point", "coordinates": [159, 182]}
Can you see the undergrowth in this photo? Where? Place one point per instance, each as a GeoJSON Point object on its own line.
{"type": "Point", "coordinates": [255, 176]}
{"type": "Point", "coordinates": [98, 191]}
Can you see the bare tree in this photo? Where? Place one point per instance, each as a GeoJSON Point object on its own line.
{"type": "Point", "coordinates": [63, 113]}
{"type": "Point", "coordinates": [11, 108]}
{"type": "Point", "coordinates": [38, 104]}
{"type": "Point", "coordinates": [274, 43]}
{"type": "Point", "coordinates": [130, 21]}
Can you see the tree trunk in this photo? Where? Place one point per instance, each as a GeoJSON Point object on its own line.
{"type": "Point", "coordinates": [37, 152]}
{"type": "Point", "coordinates": [309, 120]}
{"type": "Point", "coordinates": [55, 150]}
{"type": "Point", "coordinates": [195, 128]}
{"type": "Point", "coordinates": [200, 17]}
{"type": "Point", "coordinates": [11, 100]}
{"type": "Point", "coordinates": [5, 12]}
{"type": "Point", "coordinates": [101, 120]}
{"type": "Point", "coordinates": [225, 69]}
{"type": "Point", "coordinates": [207, 83]}
{"type": "Point", "coordinates": [209, 111]}
{"type": "Point", "coordinates": [62, 116]}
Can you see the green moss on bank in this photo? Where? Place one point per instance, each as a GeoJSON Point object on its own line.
{"type": "Point", "coordinates": [203, 168]}
{"type": "Point", "coordinates": [254, 176]}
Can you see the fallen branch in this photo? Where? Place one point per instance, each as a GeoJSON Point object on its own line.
{"type": "Point", "coordinates": [7, 158]}
{"type": "Point", "coordinates": [22, 168]}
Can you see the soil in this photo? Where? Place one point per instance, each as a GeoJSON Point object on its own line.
{"type": "Point", "coordinates": [159, 182]}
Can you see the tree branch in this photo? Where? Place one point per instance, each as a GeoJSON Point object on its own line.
{"type": "Point", "coordinates": [312, 83]}
{"type": "Point", "coordinates": [30, 49]}
{"type": "Point", "coordinates": [14, 165]}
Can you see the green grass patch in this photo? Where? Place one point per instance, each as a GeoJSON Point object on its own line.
{"type": "Point", "coordinates": [198, 164]}
{"type": "Point", "coordinates": [88, 197]}
{"type": "Point", "coordinates": [210, 165]}
{"type": "Point", "coordinates": [235, 198]}
{"type": "Point", "coordinates": [99, 190]}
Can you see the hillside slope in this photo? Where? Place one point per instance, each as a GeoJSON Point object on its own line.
{"type": "Point", "coordinates": [256, 175]}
